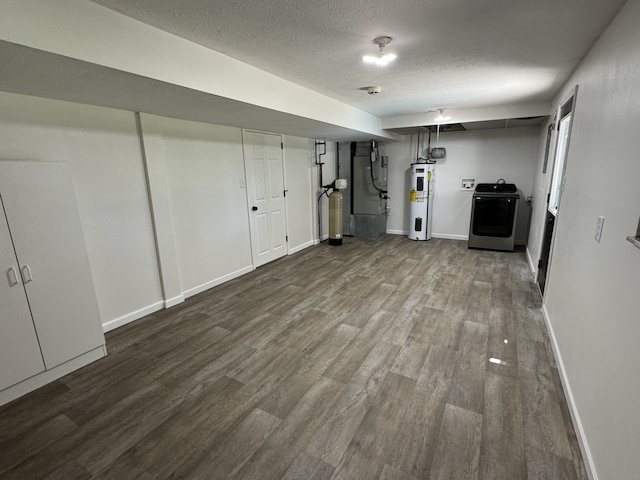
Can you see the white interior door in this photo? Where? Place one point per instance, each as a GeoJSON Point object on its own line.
{"type": "Point", "coordinates": [20, 355]}
{"type": "Point", "coordinates": [41, 210]}
{"type": "Point", "coordinates": [265, 194]}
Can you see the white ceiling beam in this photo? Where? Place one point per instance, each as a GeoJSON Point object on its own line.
{"type": "Point", "coordinates": [84, 31]}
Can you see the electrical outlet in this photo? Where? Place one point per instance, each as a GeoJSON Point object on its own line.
{"type": "Point", "coordinates": [599, 227]}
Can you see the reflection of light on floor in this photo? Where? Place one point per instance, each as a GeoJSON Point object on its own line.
{"type": "Point", "coordinates": [497, 361]}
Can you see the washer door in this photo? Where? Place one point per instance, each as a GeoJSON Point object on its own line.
{"type": "Point", "coordinates": [493, 216]}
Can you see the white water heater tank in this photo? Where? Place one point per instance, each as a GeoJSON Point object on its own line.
{"type": "Point", "coordinates": [421, 200]}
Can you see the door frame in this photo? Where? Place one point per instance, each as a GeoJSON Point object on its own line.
{"type": "Point", "coordinates": [249, 200]}
{"type": "Point", "coordinates": [572, 97]}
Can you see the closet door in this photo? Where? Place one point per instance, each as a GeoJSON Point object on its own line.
{"type": "Point", "coordinates": [42, 213]}
{"type": "Point", "coordinates": [20, 355]}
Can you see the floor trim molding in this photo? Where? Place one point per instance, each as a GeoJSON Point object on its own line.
{"type": "Point", "coordinates": [530, 262]}
{"type": "Point", "coordinates": [573, 411]}
{"type": "Point", "coordinates": [299, 248]}
{"type": "Point", "coordinates": [173, 301]}
{"type": "Point", "coordinates": [48, 376]}
{"type": "Point", "coordinates": [450, 236]}
{"type": "Point", "coordinates": [433, 235]}
{"type": "Point", "coordinates": [218, 281]}
{"type": "Point", "coordinates": [130, 317]}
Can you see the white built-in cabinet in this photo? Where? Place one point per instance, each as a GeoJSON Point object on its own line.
{"type": "Point", "coordinates": [49, 318]}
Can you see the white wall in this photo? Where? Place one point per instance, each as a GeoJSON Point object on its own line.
{"type": "Point", "coordinates": [208, 204]}
{"type": "Point", "coordinates": [591, 300]}
{"type": "Point", "coordinates": [487, 155]}
{"type": "Point", "coordinates": [301, 219]}
{"type": "Point", "coordinates": [199, 200]}
{"type": "Point", "coordinates": [102, 147]}
{"type": "Point", "coordinates": [201, 232]}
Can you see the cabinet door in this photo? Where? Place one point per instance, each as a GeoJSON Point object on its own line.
{"type": "Point", "coordinates": [42, 213]}
{"type": "Point", "coordinates": [20, 355]}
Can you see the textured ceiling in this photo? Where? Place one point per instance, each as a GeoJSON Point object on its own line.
{"type": "Point", "coordinates": [451, 53]}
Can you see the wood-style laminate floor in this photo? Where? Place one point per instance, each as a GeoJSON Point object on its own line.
{"type": "Point", "coordinates": [366, 361]}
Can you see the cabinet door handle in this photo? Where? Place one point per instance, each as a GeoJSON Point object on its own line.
{"type": "Point", "coordinates": [12, 276]}
{"type": "Point", "coordinates": [26, 274]}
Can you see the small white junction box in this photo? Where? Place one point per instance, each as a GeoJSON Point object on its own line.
{"type": "Point", "coordinates": [467, 183]}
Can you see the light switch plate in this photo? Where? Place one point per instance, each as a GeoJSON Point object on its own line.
{"type": "Point", "coordinates": [599, 227]}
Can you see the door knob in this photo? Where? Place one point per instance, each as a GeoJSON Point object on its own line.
{"type": "Point", "coordinates": [254, 208]}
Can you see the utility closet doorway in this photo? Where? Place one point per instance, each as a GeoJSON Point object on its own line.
{"type": "Point", "coordinates": [558, 178]}
{"type": "Point", "coordinates": [264, 171]}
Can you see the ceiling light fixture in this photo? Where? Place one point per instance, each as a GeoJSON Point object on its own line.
{"type": "Point", "coordinates": [382, 58]}
{"type": "Point", "coordinates": [441, 117]}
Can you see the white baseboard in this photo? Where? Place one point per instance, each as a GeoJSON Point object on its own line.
{"type": "Point", "coordinates": [172, 302]}
{"type": "Point", "coordinates": [130, 317]}
{"type": "Point", "coordinates": [319, 241]}
{"type": "Point", "coordinates": [575, 417]}
{"type": "Point", "coordinates": [530, 262]}
{"type": "Point", "coordinates": [433, 235]}
{"type": "Point", "coordinates": [450, 237]}
{"type": "Point", "coordinates": [302, 247]}
{"type": "Point", "coordinates": [218, 281]}
{"type": "Point", "coordinates": [30, 384]}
